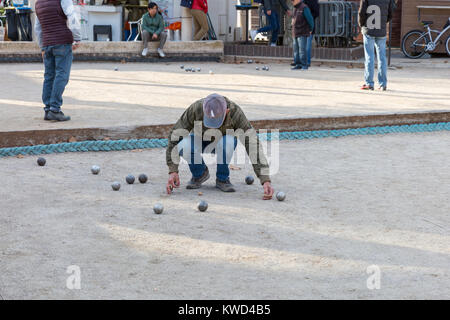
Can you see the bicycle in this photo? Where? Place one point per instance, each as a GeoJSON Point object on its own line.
{"type": "Point", "coordinates": [416, 43]}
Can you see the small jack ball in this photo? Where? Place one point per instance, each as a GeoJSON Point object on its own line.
{"type": "Point", "coordinates": [143, 178]}
{"type": "Point", "coordinates": [116, 69]}
{"type": "Point", "coordinates": [249, 179]}
{"type": "Point", "coordinates": [130, 179]}
{"type": "Point", "coordinates": [158, 208]}
{"type": "Point", "coordinates": [281, 196]}
{"type": "Point", "coordinates": [115, 186]}
{"type": "Point", "coordinates": [41, 161]}
{"type": "Point", "coordinates": [95, 169]}
{"type": "Point", "coordinates": [202, 206]}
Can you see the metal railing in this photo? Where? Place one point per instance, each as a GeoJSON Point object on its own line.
{"type": "Point", "coordinates": [337, 24]}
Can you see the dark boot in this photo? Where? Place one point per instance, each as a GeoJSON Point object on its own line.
{"type": "Point", "coordinates": [196, 183]}
{"type": "Point", "coordinates": [46, 116]}
{"type": "Point", "coordinates": [57, 116]}
{"type": "Point", "coordinates": [225, 186]}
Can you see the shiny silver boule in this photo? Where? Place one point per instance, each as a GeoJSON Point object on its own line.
{"type": "Point", "coordinates": [158, 208]}
{"type": "Point", "coordinates": [281, 196]}
{"type": "Point", "coordinates": [95, 169]}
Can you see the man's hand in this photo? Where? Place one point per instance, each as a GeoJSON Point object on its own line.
{"type": "Point", "coordinates": [174, 182]}
{"type": "Point", "coordinates": [268, 191]}
{"type": "Point", "coordinates": [269, 12]}
{"type": "Point", "coordinates": [43, 54]}
{"type": "Point", "coordinates": [155, 36]}
{"type": "Point", "coordinates": [75, 45]}
{"type": "Point", "coordinates": [289, 13]}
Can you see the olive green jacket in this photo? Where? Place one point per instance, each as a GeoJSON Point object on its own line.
{"type": "Point", "coordinates": [234, 120]}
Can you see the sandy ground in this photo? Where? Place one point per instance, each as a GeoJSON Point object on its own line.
{"type": "Point", "coordinates": [145, 94]}
{"type": "Point", "coordinates": [352, 202]}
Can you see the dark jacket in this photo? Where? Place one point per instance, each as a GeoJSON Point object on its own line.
{"type": "Point", "coordinates": [302, 21]}
{"type": "Point", "coordinates": [53, 22]}
{"type": "Point", "coordinates": [374, 15]}
{"type": "Point", "coordinates": [314, 6]}
{"type": "Point", "coordinates": [269, 4]}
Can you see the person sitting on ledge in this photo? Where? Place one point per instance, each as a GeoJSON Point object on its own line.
{"type": "Point", "coordinates": [153, 29]}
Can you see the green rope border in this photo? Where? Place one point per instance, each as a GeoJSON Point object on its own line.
{"type": "Point", "coordinates": [118, 145]}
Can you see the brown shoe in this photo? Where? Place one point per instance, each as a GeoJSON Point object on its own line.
{"type": "Point", "coordinates": [225, 186]}
{"type": "Point", "coordinates": [196, 183]}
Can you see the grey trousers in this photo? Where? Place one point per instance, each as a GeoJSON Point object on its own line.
{"type": "Point", "coordinates": [147, 36]}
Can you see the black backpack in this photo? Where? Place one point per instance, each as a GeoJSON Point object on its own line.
{"type": "Point", "coordinates": [186, 3]}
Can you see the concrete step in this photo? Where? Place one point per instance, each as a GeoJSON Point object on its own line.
{"type": "Point", "coordinates": [23, 51]}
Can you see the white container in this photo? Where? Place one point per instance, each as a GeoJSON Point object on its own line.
{"type": "Point", "coordinates": [176, 35]}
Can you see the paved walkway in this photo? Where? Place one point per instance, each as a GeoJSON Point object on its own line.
{"type": "Point", "coordinates": [146, 94]}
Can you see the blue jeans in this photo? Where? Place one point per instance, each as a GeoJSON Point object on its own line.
{"type": "Point", "coordinates": [380, 45]}
{"type": "Point", "coordinates": [300, 54]}
{"type": "Point", "coordinates": [57, 62]}
{"type": "Point", "coordinates": [274, 25]}
{"type": "Point", "coordinates": [308, 50]}
{"type": "Point", "coordinates": [191, 151]}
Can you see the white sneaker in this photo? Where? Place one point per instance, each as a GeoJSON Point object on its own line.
{"type": "Point", "coordinates": [253, 34]}
{"type": "Point", "coordinates": [273, 44]}
{"type": "Point", "coordinates": [144, 52]}
{"type": "Point", "coordinates": [161, 53]}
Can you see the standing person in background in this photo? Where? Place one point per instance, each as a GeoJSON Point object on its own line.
{"type": "Point", "coordinates": [58, 33]}
{"type": "Point", "coordinates": [314, 7]}
{"type": "Point", "coordinates": [153, 29]}
{"type": "Point", "coordinates": [373, 18]}
{"type": "Point", "coordinates": [273, 19]}
{"type": "Point", "coordinates": [199, 12]}
{"type": "Point", "coordinates": [302, 26]}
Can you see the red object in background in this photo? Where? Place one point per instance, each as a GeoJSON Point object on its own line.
{"type": "Point", "coordinates": [126, 26]}
{"type": "Point", "coordinates": [175, 26]}
{"type": "Point", "coordinates": [200, 5]}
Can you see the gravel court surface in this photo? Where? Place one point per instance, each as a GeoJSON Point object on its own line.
{"type": "Point", "coordinates": [150, 93]}
{"type": "Point", "coordinates": [352, 202]}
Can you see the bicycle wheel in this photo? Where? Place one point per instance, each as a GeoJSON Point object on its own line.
{"type": "Point", "coordinates": [414, 45]}
{"type": "Point", "coordinates": [447, 46]}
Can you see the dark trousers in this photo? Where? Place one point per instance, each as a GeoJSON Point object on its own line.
{"type": "Point", "coordinates": [274, 25]}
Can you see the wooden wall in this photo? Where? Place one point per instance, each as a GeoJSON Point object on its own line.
{"type": "Point", "coordinates": [410, 16]}
{"type": "Point", "coordinates": [397, 24]}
